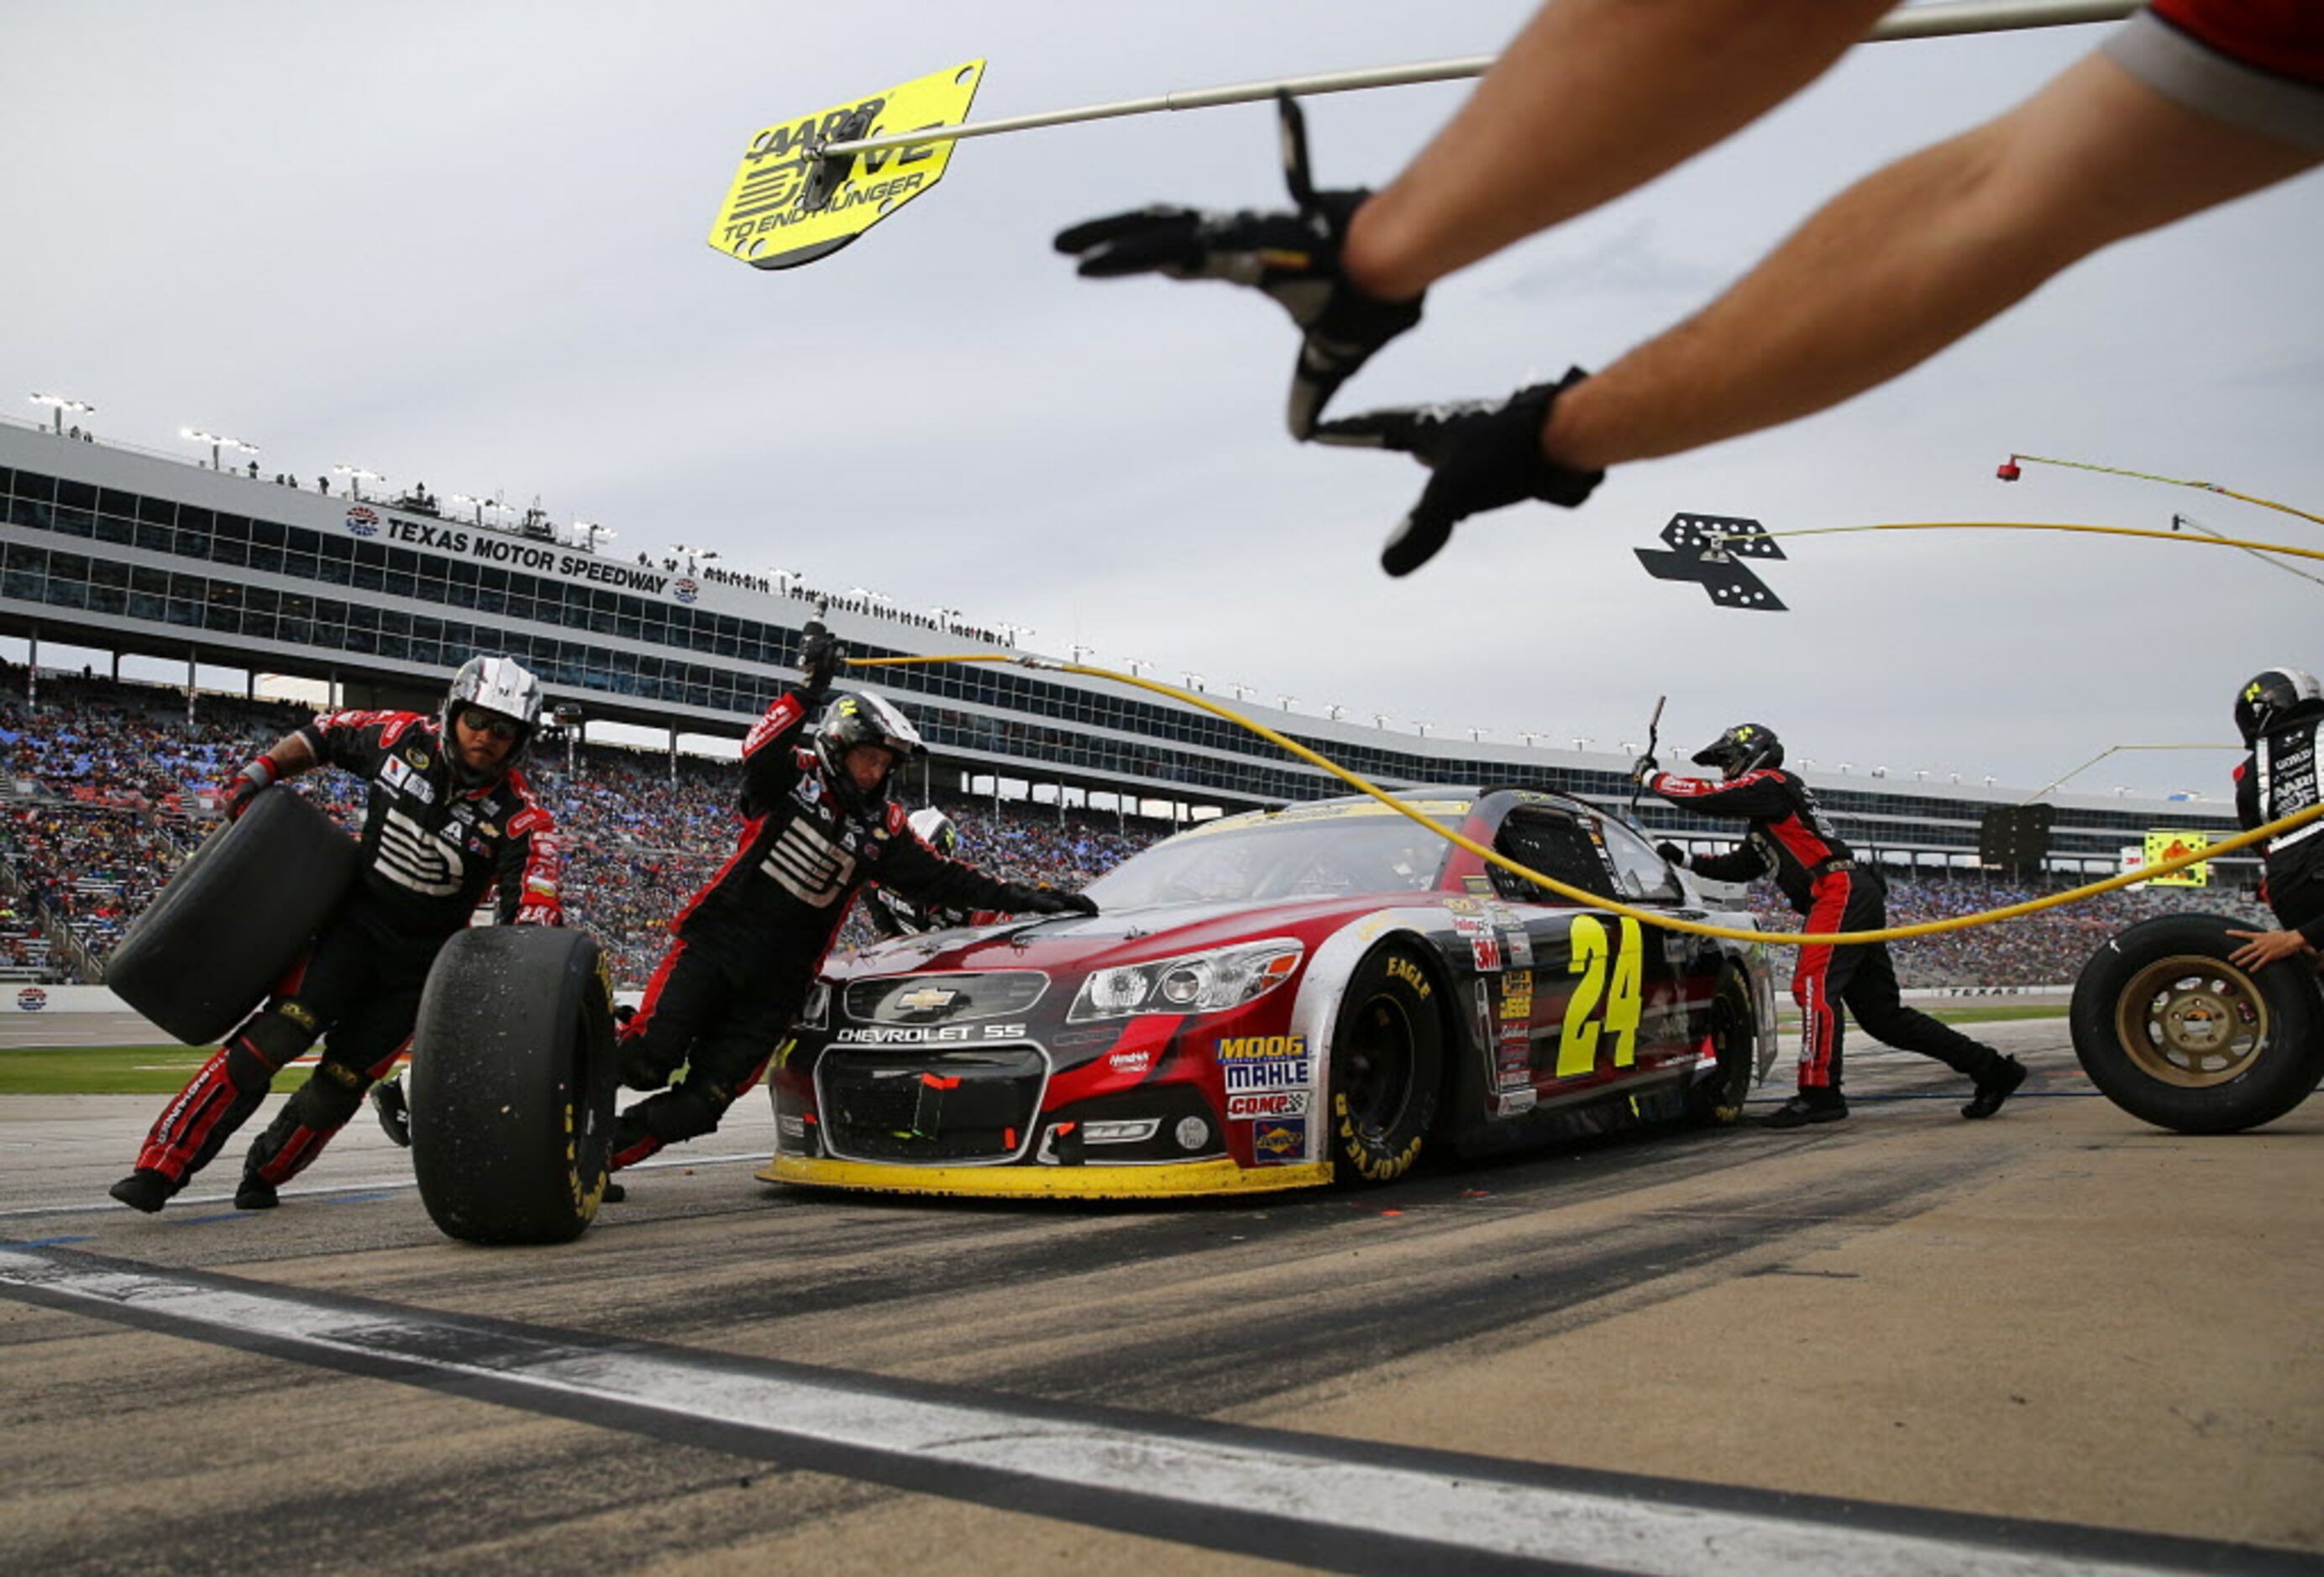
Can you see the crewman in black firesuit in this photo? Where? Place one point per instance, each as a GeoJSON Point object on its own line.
{"type": "Point", "coordinates": [892, 913]}
{"type": "Point", "coordinates": [818, 823]}
{"type": "Point", "coordinates": [2281, 714]}
{"type": "Point", "coordinates": [449, 816]}
{"type": "Point", "coordinates": [1790, 838]}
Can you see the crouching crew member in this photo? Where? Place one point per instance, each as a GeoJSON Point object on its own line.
{"type": "Point", "coordinates": [818, 823]}
{"type": "Point", "coordinates": [1823, 881]}
{"type": "Point", "coordinates": [449, 816]}
{"type": "Point", "coordinates": [2281, 714]}
{"type": "Point", "coordinates": [892, 913]}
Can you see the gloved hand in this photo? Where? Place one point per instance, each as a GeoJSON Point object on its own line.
{"type": "Point", "coordinates": [1486, 453]}
{"type": "Point", "coordinates": [1643, 768]}
{"type": "Point", "coordinates": [539, 913]}
{"type": "Point", "coordinates": [1294, 258]}
{"type": "Point", "coordinates": [818, 656]}
{"type": "Point", "coordinates": [1047, 900]}
{"type": "Point", "coordinates": [236, 794]}
{"type": "Point", "coordinates": [1671, 854]}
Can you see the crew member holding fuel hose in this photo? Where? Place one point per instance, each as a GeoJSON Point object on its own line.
{"type": "Point", "coordinates": [818, 823]}
{"type": "Point", "coordinates": [1824, 882]}
{"type": "Point", "coordinates": [2281, 715]}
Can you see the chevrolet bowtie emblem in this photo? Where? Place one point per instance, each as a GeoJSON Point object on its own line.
{"type": "Point", "coordinates": [928, 1000]}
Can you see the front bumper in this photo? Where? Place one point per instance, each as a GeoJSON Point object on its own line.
{"type": "Point", "coordinates": [1190, 1179]}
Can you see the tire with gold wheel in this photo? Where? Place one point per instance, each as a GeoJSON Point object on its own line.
{"type": "Point", "coordinates": [2176, 1036]}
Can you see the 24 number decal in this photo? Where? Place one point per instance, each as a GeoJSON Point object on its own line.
{"type": "Point", "coordinates": [1593, 951]}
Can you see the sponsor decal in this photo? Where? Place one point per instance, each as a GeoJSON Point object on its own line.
{"type": "Point", "coordinates": [363, 522]}
{"type": "Point", "coordinates": [1461, 906]}
{"type": "Point", "coordinates": [1404, 969]}
{"type": "Point", "coordinates": [1192, 1133]}
{"type": "Point", "coordinates": [1279, 1140]}
{"type": "Point", "coordinates": [790, 1126]}
{"type": "Point", "coordinates": [1516, 995]}
{"type": "Point", "coordinates": [1518, 945]}
{"type": "Point", "coordinates": [403, 779]}
{"type": "Point", "coordinates": [1472, 924]}
{"type": "Point", "coordinates": [1131, 1061]}
{"type": "Point", "coordinates": [686, 590]}
{"type": "Point", "coordinates": [1296, 1073]}
{"type": "Point", "coordinates": [925, 1034]}
{"type": "Point", "coordinates": [31, 999]}
{"type": "Point", "coordinates": [1233, 1048]}
{"type": "Point", "coordinates": [1511, 1102]}
{"type": "Point", "coordinates": [1487, 951]}
{"type": "Point", "coordinates": [1271, 1103]}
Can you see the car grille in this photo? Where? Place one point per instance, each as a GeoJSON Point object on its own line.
{"type": "Point", "coordinates": [927, 1107]}
{"type": "Point", "coordinates": [944, 999]}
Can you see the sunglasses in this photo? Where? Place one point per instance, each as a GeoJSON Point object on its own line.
{"type": "Point", "coordinates": [477, 720]}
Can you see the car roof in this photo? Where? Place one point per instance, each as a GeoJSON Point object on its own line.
{"type": "Point", "coordinates": [1441, 801]}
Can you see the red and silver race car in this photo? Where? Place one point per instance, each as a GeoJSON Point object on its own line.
{"type": "Point", "coordinates": [1278, 1000]}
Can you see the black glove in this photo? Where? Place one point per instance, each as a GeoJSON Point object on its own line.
{"type": "Point", "coordinates": [236, 794]}
{"type": "Point", "coordinates": [818, 656]}
{"type": "Point", "coordinates": [1294, 258]}
{"type": "Point", "coordinates": [1486, 453]}
{"type": "Point", "coordinates": [1671, 854]}
{"type": "Point", "coordinates": [1047, 900]}
{"type": "Point", "coordinates": [1643, 768]}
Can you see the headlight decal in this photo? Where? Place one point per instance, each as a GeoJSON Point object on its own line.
{"type": "Point", "coordinates": [1196, 982]}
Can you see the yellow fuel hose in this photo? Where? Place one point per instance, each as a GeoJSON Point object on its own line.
{"type": "Point", "coordinates": [1597, 901]}
{"type": "Point", "coordinates": [2173, 481]}
{"type": "Point", "coordinates": [2033, 525]}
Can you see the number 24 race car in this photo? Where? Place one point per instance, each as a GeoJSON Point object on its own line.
{"type": "Point", "coordinates": [1279, 999]}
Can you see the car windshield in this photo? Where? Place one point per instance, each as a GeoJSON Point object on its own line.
{"type": "Point", "coordinates": [1308, 857]}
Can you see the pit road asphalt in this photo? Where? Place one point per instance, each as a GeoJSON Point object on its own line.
{"type": "Point", "coordinates": [2057, 1340]}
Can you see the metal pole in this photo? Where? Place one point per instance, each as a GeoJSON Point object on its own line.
{"type": "Point", "coordinates": [1914, 21]}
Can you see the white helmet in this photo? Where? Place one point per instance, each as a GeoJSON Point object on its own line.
{"type": "Point", "coordinates": [498, 685]}
{"type": "Point", "coordinates": [934, 827]}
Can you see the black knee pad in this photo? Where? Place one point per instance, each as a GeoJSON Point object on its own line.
{"type": "Point", "coordinates": [687, 1112]}
{"type": "Point", "coordinates": [263, 1048]}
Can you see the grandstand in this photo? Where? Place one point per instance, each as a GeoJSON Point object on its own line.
{"type": "Point", "coordinates": [133, 554]}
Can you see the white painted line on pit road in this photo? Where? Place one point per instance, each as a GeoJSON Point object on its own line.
{"type": "Point", "coordinates": [1355, 1506]}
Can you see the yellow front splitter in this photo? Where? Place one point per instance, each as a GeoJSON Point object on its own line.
{"type": "Point", "coordinates": [1188, 1180]}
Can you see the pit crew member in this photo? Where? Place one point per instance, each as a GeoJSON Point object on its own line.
{"type": "Point", "coordinates": [1790, 838]}
{"type": "Point", "coordinates": [449, 818]}
{"type": "Point", "coordinates": [893, 915]}
{"type": "Point", "coordinates": [818, 823]}
{"type": "Point", "coordinates": [2281, 715]}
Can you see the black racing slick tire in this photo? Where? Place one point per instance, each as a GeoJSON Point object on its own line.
{"type": "Point", "coordinates": [1715, 1098]}
{"type": "Point", "coordinates": [2176, 1036]}
{"type": "Point", "coordinates": [206, 951]}
{"type": "Point", "coordinates": [511, 1085]}
{"type": "Point", "coordinates": [1386, 1069]}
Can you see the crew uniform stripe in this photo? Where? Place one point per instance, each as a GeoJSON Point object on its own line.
{"type": "Point", "coordinates": [1353, 1505]}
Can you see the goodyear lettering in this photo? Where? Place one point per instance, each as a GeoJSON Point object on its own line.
{"type": "Point", "coordinates": [1405, 970]}
{"type": "Point", "coordinates": [1230, 1050]}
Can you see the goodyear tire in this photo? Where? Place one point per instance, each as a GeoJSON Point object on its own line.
{"type": "Point", "coordinates": [511, 1086]}
{"type": "Point", "coordinates": [2174, 1034]}
{"type": "Point", "coordinates": [205, 951]}
{"type": "Point", "coordinates": [1386, 1069]}
{"type": "Point", "coordinates": [1716, 1100]}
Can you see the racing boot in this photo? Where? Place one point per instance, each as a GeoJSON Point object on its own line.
{"type": "Point", "coordinates": [256, 1193]}
{"type": "Point", "coordinates": [144, 1189]}
{"type": "Point", "coordinates": [394, 1114]}
{"type": "Point", "coordinates": [1807, 1107]}
{"type": "Point", "coordinates": [615, 1193]}
{"type": "Point", "coordinates": [2000, 1081]}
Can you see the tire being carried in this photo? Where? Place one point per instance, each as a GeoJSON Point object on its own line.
{"type": "Point", "coordinates": [1386, 1069]}
{"type": "Point", "coordinates": [2174, 1034]}
{"type": "Point", "coordinates": [511, 1085]}
{"type": "Point", "coordinates": [207, 950]}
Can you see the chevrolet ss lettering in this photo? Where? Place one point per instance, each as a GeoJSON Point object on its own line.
{"type": "Point", "coordinates": [1282, 998]}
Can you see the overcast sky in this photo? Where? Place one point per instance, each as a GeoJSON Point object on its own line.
{"type": "Point", "coordinates": [465, 245]}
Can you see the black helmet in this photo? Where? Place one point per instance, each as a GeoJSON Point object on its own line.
{"type": "Point", "coordinates": [501, 686]}
{"type": "Point", "coordinates": [1745, 748]}
{"type": "Point", "coordinates": [935, 828]}
{"type": "Point", "coordinates": [861, 718]}
{"type": "Point", "coordinates": [2271, 697]}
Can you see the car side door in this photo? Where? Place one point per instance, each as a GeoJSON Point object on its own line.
{"type": "Point", "coordinates": [1584, 989]}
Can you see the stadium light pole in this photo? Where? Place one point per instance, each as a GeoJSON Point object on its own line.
{"type": "Point", "coordinates": [1423, 727]}
{"type": "Point", "coordinates": [1477, 736]}
{"type": "Point", "coordinates": [472, 502]}
{"type": "Point", "coordinates": [593, 530]}
{"type": "Point", "coordinates": [1077, 652]}
{"type": "Point", "coordinates": [1582, 743]}
{"type": "Point", "coordinates": [1527, 735]}
{"type": "Point", "coordinates": [1194, 681]}
{"type": "Point", "coordinates": [1288, 702]}
{"type": "Point", "coordinates": [1334, 711]}
{"type": "Point", "coordinates": [356, 476]}
{"type": "Point", "coordinates": [1379, 720]}
{"type": "Point", "coordinates": [62, 403]}
{"type": "Point", "coordinates": [1136, 665]}
{"type": "Point", "coordinates": [216, 441]}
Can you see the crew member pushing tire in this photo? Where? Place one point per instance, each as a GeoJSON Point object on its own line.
{"type": "Point", "coordinates": [449, 816]}
{"type": "Point", "coordinates": [1824, 882]}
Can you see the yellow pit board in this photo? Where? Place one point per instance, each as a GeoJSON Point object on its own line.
{"type": "Point", "coordinates": [765, 220]}
{"type": "Point", "coordinates": [2168, 845]}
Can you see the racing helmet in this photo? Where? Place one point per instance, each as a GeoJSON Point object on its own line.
{"type": "Point", "coordinates": [501, 686]}
{"type": "Point", "coordinates": [1745, 748]}
{"type": "Point", "coordinates": [934, 827]}
{"type": "Point", "coordinates": [2272, 697]}
{"type": "Point", "coordinates": [861, 717]}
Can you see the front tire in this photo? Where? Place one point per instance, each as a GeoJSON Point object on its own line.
{"type": "Point", "coordinates": [1386, 1069]}
{"type": "Point", "coordinates": [1715, 1100]}
{"type": "Point", "coordinates": [2176, 1036]}
{"type": "Point", "coordinates": [511, 1086]}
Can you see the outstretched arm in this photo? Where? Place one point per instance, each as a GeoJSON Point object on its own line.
{"type": "Point", "coordinates": [1915, 256]}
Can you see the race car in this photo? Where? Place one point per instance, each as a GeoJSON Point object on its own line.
{"type": "Point", "coordinates": [1282, 999]}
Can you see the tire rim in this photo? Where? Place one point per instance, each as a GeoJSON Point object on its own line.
{"type": "Point", "coordinates": [1378, 1065]}
{"type": "Point", "coordinates": [2194, 1023]}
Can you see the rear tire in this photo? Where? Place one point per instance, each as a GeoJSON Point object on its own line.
{"type": "Point", "coordinates": [511, 1085]}
{"type": "Point", "coordinates": [210, 947]}
{"type": "Point", "coordinates": [2176, 1036]}
{"type": "Point", "coordinates": [1716, 1100]}
{"type": "Point", "coordinates": [1387, 1071]}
